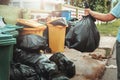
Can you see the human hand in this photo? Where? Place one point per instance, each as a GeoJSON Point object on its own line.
{"type": "Point", "coordinates": [87, 11]}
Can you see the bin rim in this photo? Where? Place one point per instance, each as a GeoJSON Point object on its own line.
{"type": "Point", "coordinates": [32, 29]}
{"type": "Point", "coordinates": [31, 23]}
{"type": "Point", "coordinates": [59, 26]}
{"type": "Point", "coordinates": [7, 39]}
{"type": "Point", "coordinates": [13, 26]}
{"type": "Point", "coordinates": [55, 19]}
{"type": "Point", "coordinates": [49, 22]}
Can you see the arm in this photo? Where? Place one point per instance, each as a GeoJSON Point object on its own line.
{"type": "Point", "coordinates": [100, 16]}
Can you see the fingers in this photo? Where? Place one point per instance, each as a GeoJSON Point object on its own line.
{"type": "Point", "coordinates": [87, 11]}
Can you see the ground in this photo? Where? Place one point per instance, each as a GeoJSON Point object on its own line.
{"type": "Point", "coordinates": [90, 66]}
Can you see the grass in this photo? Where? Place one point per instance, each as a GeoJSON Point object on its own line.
{"type": "Point", "coordinates": [109, 29]}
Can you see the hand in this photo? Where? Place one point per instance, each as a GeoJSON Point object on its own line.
{"type": "Point", "coordinates": [87, 11]}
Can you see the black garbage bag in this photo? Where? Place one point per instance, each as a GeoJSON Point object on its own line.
{"type": "Point", "coordinates": [31, 43]}
{"type": "Point", "coordinates": [71, 23]}
{"type": "Point", "coordinates": [22, 72]}
{"type": "Point", "coordinates": [15, 74]}
{"type": "Point", "coordinates": [46, 35]}
{"type": "Point", "coordinates": [59, 21]}
{"type": "Point", "coordinates": [46, 69]}
{"type": "Point", "coordinates": [84, 36]}
{"type": "Point", "coordinates": [65, 66]}
{"type": "Point", "coordinates": [40, 62]}
{"type": "Point", "coordinates": [24, 57]}
{"type": "Point", "coordinates": [59, 76]}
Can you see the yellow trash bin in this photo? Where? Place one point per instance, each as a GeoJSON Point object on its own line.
{"type": "Point", "coordinates": [56, 37]}
{"type": "Point", "coordinates": [29, 23]}
{"type": "Point", "coordinates": [33, 27]}
{"type": "Point", "coordinates": [38, 31]}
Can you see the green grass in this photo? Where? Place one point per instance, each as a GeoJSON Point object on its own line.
{"type": "Point", "coordinates": [109, 29]}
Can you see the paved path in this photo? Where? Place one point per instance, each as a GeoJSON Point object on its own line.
{"type": "Point", "coordinates": [111, 72]}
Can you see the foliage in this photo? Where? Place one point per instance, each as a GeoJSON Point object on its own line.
{"type": "Point", "coordinates": [96, 5]}
{"type": "Point", "coordinates": [78, 3]}
{"type": "Point", "coordinates": [100, 5]}
{"type": "Point", "coordinates": [109, 29]}
{"type": "Point", "coordinates": [115, 2]}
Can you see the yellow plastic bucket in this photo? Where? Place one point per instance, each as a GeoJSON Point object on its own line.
{"type": "Point", "coordinates": [56, 37]}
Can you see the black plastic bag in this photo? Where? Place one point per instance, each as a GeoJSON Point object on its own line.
{"type": "Point", "coordinates": [65, 66]}
{"type": "Point", "coordinates": [40, 62]}
{"type": "Point", "coordinates": [84, 36]}
{"type": "Point", "coordinates": [46, 35]}
{"type": "Point", "coordinates": [46, 69]}
{"type": "Point", "coordinates": [59, 77]}
{"type": "Point", "coordinates": [25, 57]}
{"type": "Point", "coordinates": [22, 72]}
{"type": "Point", "coordinates": [71, 23]}
{"type": "Point", "coordinates": [15, 74]}
{"type": "Point", "coordinates": [31, 43]}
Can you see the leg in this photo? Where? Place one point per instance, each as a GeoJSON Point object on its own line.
{"type": "Point", "coordinates": [118, 59]}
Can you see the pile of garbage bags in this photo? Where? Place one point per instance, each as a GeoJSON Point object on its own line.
{"type": "Point", "coordinates": [30, 64]}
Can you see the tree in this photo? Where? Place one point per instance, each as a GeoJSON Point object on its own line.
{"type": "Point", "coordinates": [108, 4]}
{"type": "Point", "coordinates": [78, 3]}
{"type": "Point", "coordinates": [96, 5]}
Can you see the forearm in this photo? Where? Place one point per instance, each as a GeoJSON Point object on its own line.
{"type": "Point", "coordinates": [101, 16]}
